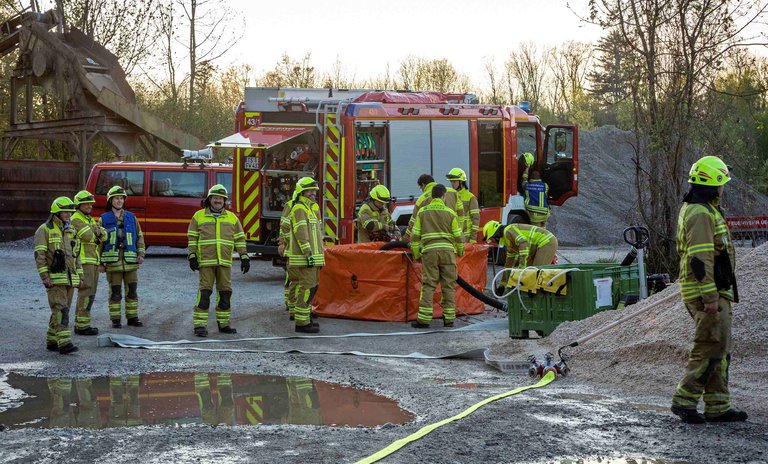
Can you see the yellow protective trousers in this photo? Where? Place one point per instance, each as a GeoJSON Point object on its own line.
{"type": "Point", "coordinates": [707, 371]}
{"type": "Point", "coordinates": [437, 266]}
{"type": "Point", "coordinates": [60, 300]}
{"type": "Point", "coordinates": [305, 281]}
{"type": "Point", "coordinates": [221, 276]}
{"type": "Point", "coordinates": [85, 295]}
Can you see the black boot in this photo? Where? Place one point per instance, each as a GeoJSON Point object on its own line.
{"type": "Point", "coordinates": [447, 324]}
{"type": "Point", "coordinates": [419, 325]}
{"type": "Point", "coordinates": [731, 415]}
{"type": "Point", "coordinates": [52, 347]}
{"type": "Point", "coordinates": [689, 415]}
{"type": "Point", "coordinates": [134, 321]}
{"type": "Point", "coordinates": [309, 328]}
{"type": "Point", "coordinates": [227, 329]}
{"type": "Point", "coordinates": [116, 324]}
{"type": "Point", "coordinates": [68, 348]}
{"type": "Point", "coordinates": [87, 331]}
{"type": "Point", "coordinates": [201, 331]}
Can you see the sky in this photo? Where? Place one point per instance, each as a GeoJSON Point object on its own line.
{"type": "Point", "coordinates": [367, 35]}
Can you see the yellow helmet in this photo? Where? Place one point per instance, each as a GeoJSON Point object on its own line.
{"type": "Point", "coordinates": [218, 190]}
{"type": "Point", "coordinates": [83, 197]}
{"type": "Point", "coordinates": [380, 193]}
{"type": "Point", "coordinates": [489, 229]}
{"type": "Point", "coordinates": [62, 204]}
{"type": "Point", "coordinates": [709, 170]}
{"type": "Point", "coordinates": [305, 183]}
{"type": "Point", "coordinates": [116, 191]}
{"type": "Point", "coordinates": [456, 174]}
{"type": "Point", "coordinates": [529, 159]}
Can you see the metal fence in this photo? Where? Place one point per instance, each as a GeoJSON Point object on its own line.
{"type": "Point", "coordinates": [26, 191]}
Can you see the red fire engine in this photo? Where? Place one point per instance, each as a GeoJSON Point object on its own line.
{"type": "Point", "coordinates": [352, 140]}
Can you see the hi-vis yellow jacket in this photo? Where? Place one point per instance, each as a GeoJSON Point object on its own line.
{"type": "Point", "coordinates": [90, 234]}
{"type": "Point", "coordinates": [213, 238]}
{"type": "Point", "coordinates": [306, 236]}
{"type": "Point", "coordinates": [52, 236]}
{"type": "Point", "coordinates": [702, 234]}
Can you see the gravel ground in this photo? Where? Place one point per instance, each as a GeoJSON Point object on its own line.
{"type": "Point", "coordinates": [584, 416]}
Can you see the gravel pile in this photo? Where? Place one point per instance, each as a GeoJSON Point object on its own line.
{"type": "Point", "coordinates": [607, 200]}
{"type": "Point", "coordinates": [647, 355]}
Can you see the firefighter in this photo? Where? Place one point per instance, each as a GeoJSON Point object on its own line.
{"type": "Point", "coordinates": [213, 234]}
{"type": "Point", "coordinates": [536, 193]}
{"type": "Point", "coordinates": [708, 286]}
{"type": "Point", "coordinates": [58, 263]}
{"type": "Point", "coordinates": [215, 411]}
{"type": "Point", "coordinates": [426, 182]}
{"type": "Point", "coordinates": [526, 245]}
{"type": "Point", "coordinates": [90, 235]}
{"type": "Point", "coordinates": [374, 224]}
{"type": "Point", "coordinates": [289, 289]}
{"type": "Point", "coordinates": [458, 179]}
{"type": "Point", "coordinates": [121, 255]}
{"type": "Point", "coordinates": [437, 241]}
{"type": "Point", "coordinates": [305, 252]}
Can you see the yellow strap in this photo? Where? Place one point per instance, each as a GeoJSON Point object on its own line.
{"type": "Point", "coordinates": [546, 380]}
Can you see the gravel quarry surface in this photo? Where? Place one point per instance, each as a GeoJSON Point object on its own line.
{"type": "Point", "coordinates": [614, 405]}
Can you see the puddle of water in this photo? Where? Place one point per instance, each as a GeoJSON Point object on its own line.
{"type": "Point", "coordinates": [174, 398]}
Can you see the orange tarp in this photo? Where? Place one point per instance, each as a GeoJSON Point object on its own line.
{"type": "Point", "coordinates": [362, 282]}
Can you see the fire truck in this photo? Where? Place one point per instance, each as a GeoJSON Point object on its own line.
{"type": "Point", "coordinates": [352, 140]}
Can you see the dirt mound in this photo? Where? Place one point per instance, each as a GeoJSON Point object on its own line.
{"type": "Point", "coordinates": [648, 354]}
{"type": "Point", "coordinates": [607, 200]}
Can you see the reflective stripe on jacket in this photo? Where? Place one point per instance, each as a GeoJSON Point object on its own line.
{"type": "Point", "coordinates": [702, 233]}
{"type": "Point", "coordinates": [213, 238]}
{"type": "Point", "coordinates": [536, 197]}
{"type": "Point", "coordinates": [306, 235]}
{"type": "Point", "coordinates": [372, 222]}
{"type": "Point", "coordinates": [437, 227]}
{"type": "Point", "coordinates": [90, 235]}
{"type": "Point", "coordinates": [519, 239]}
{"type": "Point", "coordinates": [452, 201]}
{"type": "Point", "coordinates": [52, 236]}
{"type": "Point", "coordinates": [471, 214]}
{"type": "Point", "coordinates": [131, 243]}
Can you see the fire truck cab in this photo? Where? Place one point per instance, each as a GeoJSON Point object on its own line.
{"type": "Point", "coordinates": [352, 140]}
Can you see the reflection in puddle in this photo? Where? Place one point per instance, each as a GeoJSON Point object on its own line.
{"type": "Point", "coordinates": [170, 398]}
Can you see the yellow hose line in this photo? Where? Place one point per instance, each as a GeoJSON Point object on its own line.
{"type": "Point", "coordinates": [546, 380]}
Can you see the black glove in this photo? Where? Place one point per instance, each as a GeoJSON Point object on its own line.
{"type": "Point", "coordinates": [193, 264]}
{"type": "Point", "coordinates": [245, 264]}
{"type": "Point", "coordinates": [58, 263]}
{"type": "Point", "coordinates": [310, 261]}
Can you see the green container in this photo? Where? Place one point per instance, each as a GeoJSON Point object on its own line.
{"type": "Point", "coordinates": [544, 311]}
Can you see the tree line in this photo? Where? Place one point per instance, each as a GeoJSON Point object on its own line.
{"type": "Point", "coordinates": [678, 73]}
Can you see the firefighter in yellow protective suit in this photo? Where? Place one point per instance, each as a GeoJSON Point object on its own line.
{"type": "Point", "coordinates": [437, 240]}
{"type": "Point", "coordinates": [58, 262]}
{"type": "Point", "coordinates": [374, 224]}
{"type": "Point", "coordinates": [526, 245]}
{"type": "Point", "coordinates": [121, 255]}
{"type": "Point", "coordinates": [284, 237]}
{"type": "Point", "coordinates": [90, 235]}
{"type": "Point", "coordinates": [426, 182]}
{"type": "Point", "coordinates": [305, 252]}
{"type": "Point", "coordinates": [213, 234]}
{"type": "Point", "coordinates": [708, 287]}
{"type": "Point", "coordinates": [471, 226]}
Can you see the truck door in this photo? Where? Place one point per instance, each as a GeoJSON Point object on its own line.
{"type": "Point", "coordinates": [561, 162]}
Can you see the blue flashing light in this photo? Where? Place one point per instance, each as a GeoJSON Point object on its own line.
{"type": "Point", "coordinates": [525, 106]}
